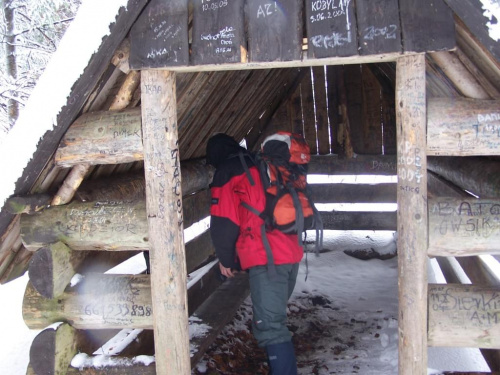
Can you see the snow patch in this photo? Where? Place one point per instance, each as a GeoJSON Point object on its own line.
{"type": "Point", "coordinates": [491, 10]}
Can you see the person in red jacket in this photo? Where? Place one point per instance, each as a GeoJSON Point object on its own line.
{"type": "Point", "coordinates": [238, 240]}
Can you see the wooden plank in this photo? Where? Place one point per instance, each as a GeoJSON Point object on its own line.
{"type": "Point", "coordinates": [372, 109]}
{"type": "Point", "coordinates": [228, 84]}
{"type": "Point", "coordinates": [218, 310]}
{"type": "Point", "coordinates": [274, 30]}
{"type": "Point", "coordinates": [165, 221]}
{"type": "Point", "coordinates": [198, 251]}
{"type": "Point", "coordinates": [304, 62]}
{"type": "Point", "coordinates": [275, 86]}
{"type": "Point", "coordinates": [331, 28]}
{"type": "Point", "coordinates": [294, 107]}
{"type": "Point", "coordinates": [190, 93]}
{"type": "Point", "coordinates": [353, 193]}
{"type": "Point", "coordinates": [361, 165]}
{"type": "Point", "coordinates": [379, 28]}
{"type": "Point", "coordinates": [308, 112]}
{"type": "Point", "coordinates": [464, 316]}
{"type": "Point", "coordinates": [321, 110]}
{"type": "Point", "coordinates": [159, 37]}
{"type": "Point", "coordinates": [351, 220]}
{"type": "Point", "coordinates": [463, 127]}
{"type": "Point", "coordinates": [464, 226]}
{"type": "Point", "coordinates": [218, 32]}
{"type": "Point", "coordinates": [353, 104]}
{"type": "Point", "coordinates": [439, 31]}
{"type": "Point", "coordinates": [471, 12]}
{"type": "Point", "coordinates": [412, 214]}
{"type": "Point", "coordinates": [332, 73]}
{"type": "Point", "coordinates": [196, 207]}
{"type": "Point", "coordinates": [388, 121]}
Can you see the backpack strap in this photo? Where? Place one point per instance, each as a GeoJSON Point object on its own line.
{"type": "Point", "coordinates": [245, 167]}
{"type": "Point", "coordinates": [299, 214]}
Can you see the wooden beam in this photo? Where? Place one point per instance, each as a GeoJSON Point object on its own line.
{"type": "Point", "coordinates": [89, 226]}
{"type": "Point", "coordinates": [108, 301]}
{"type": "Point", "coordinates": [52, 268]}
{"type": "Point", "coordinates": [27, 205]}
{"type": "Point", "coordinates": [164, 211]}
{"type": "Point", "coordinates": [463, 127]}
{"type": "Point", "coordinates": [70, 184]}
{"type": "Point", "coordinates": [439, 187]}
{"type": "Point", "coordinates": [196, 176]}
{"type": "Point", "coordinates": [460, 227]}
{"type": "Point", "coordinates": [99, 301]}
{"type": "Point", "coordinates": [412, 214]}
{"type": "Point", "coordinates": [464, 316]}
{"type": "Point", "coordinates": [480, 274]}
{"type": "Point", "coordinates": [354, 193]}
{"type": "Point", "coordinates": [108, 137]}
{"type": "Point", "coordinates": [348, 220]}
{"type": "Point", "coordinates": [461, 77]}
{"type": "Point", "coordinates": [101, 225]}
{"type": "Point", "coordinates": [361, 165]}
{"type": "Point", "coordinates": [479, 175]}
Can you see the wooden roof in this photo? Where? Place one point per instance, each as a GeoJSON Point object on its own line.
{"type": "Point", "coordinates": [239, 99]}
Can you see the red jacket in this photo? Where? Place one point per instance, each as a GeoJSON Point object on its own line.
{"type": "Point", "coordinates": [235, 228]}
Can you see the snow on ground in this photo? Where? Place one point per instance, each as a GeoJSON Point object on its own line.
{"type": "Point", "coordinates": [16, 338]}
{"type": "Point", "coordinates": [344, 318]}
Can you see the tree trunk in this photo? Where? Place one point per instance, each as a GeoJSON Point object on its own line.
{"type": "Point", "coordinates": [101, 225]}
{"type": "Point", "coordinates": [10, 53]}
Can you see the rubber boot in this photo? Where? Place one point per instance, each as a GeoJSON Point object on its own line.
{"type": "Point", "coordinates": [281, 359]}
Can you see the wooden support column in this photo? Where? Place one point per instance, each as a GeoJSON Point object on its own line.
{"type": "Point", "coordinates": [412, 214]}
{"type": "Point", "coordinates": [164, 209]}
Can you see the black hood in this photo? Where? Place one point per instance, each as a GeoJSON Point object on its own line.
{"type": "Point", "coordinates": [220, 147]}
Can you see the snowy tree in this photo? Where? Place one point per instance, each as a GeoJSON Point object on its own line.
{"type": "Point", "coordinates": [29, 32]}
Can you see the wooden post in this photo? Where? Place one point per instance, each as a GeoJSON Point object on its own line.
{"type": "Point", "coordinates": [165, 222]}
{"type": "Point", "coordinates": [412, 214]}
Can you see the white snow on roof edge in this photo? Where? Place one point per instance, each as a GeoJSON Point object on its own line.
{"type": "Point", "coordinates": [82, 39]}
{"type": "Point", "coordinates": [491, 8]}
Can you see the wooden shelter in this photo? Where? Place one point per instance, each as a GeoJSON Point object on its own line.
{"type": "Point", "coordinates": [408, 88]}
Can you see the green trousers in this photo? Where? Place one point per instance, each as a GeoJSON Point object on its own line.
{"type": "Point", "coordinates": [269, 299]}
